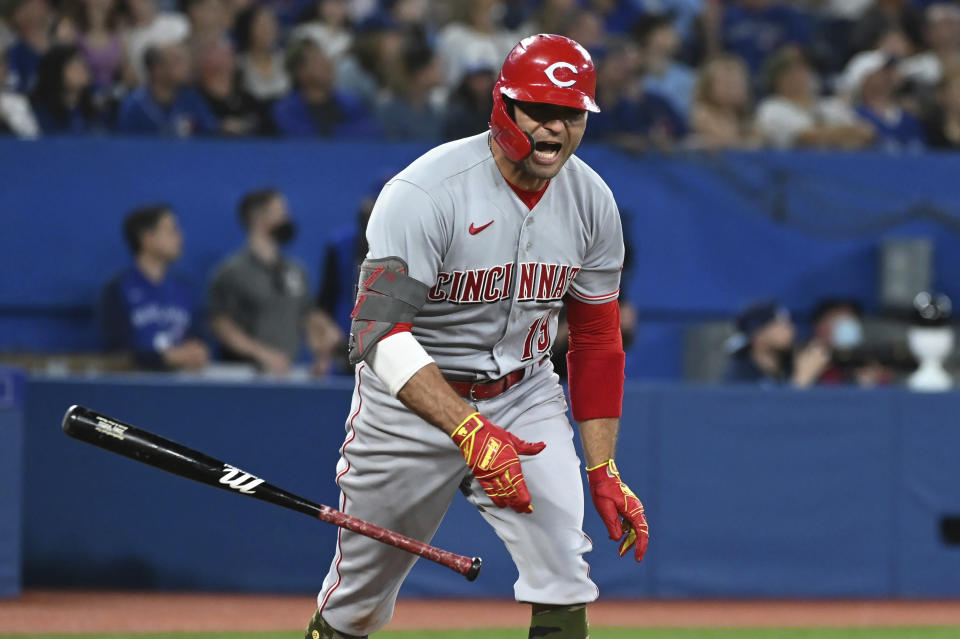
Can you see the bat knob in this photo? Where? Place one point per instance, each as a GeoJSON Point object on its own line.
{"type": "Point", "coordinates": [474, 569]}
{"type": "Point", "coordinates": [68, 418]}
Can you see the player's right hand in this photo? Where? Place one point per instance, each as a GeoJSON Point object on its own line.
{"type": "Point", "coordinates": [491, 453]}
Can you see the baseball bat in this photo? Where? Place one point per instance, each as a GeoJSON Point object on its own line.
{"type": "Point", "coordinates": [146, 447]}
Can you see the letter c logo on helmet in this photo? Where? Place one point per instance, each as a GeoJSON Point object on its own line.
{"type": "Point", "coordinates": [561, 65]}
{"type": "Point", "coordinates": [544, 68]}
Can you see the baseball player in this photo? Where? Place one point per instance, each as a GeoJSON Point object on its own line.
{"type": "Point", "coordinates": [474, 248]}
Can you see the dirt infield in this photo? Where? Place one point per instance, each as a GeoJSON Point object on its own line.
{"type": "Point", "coordinates": [64, 611]}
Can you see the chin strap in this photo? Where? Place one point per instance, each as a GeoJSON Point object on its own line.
{"type": "Point", "coordinates": [516, 143]}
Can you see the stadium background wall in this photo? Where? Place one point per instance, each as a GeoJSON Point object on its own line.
{"type": "Point", "coordinates": [710, 232]}
{"type": "Point", "coordinates": [751, 493]}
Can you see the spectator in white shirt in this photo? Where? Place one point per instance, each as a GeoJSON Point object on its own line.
{"type": "Point", "coordinates": [16, 116]}
{"type": "Point", "coordinates": [261, 59]}
{"type": "Point", "coordinates": [794, 116]}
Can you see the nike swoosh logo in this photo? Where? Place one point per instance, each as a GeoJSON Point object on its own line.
{"type": "Point", "coordinates": [476, 229]}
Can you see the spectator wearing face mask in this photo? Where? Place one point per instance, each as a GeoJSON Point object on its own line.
{"type": "Point", "coordinates": [763, 351]}
{"type": "Point", "coordinates": [838, 324]}
{"type": "Point", "coordinates": [259, 300]}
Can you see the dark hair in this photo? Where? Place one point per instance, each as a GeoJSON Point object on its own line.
{"type": "Point", "coordinates": [142, 220]}
{"type": "Point", "coordinates": [47, 93]}
{"type": "Point", "coordinates": [252, 202]}
{"type": "Point", "coordinates": [417, 56]}
{"type": "Point", "coordinates": [243, 27]}
{"type": "Point", "coordinates": [186, 5]}
{"type": "Point", "coordinates": [759, 314]}
{"type": "Point", "coordinates": [783, 59]}
{"type": "Point", "coordinates": [827, 306]}
{"type": "Point", "coordinates": [645, 27]}
{"type": "Point", "coordinates": [295, 55]}
{"type": "Point", "coordinates": [152, 56]}
{"type": "Point", "coordinates": [77, 11]}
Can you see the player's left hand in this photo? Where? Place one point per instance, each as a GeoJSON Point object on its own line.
{"type": "Point", "coordinates": [619, 508]}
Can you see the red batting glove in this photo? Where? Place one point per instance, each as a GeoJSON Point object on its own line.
{"type": "Point", "coordinates": [619, 508]}
{"type": "Point", "coordinates": [491, 454]}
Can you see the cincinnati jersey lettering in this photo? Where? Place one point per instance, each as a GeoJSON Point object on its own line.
{"type": "Point", "coordinates": [536, 282]}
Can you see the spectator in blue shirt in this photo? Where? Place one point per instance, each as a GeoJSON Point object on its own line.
{"type": "Point", "coordinates": [342, 256]}
{"type": "Point", "coordinates": [663, 74]}
{"type": "Point", "coordinates": [315, 108]}
{"type": "Point", "coordinates": [762, 350]}
{"type": "Point", "coordinates": [62, 97]}
{"type": "Point", "coordinates": [687, 15]}
{"type": "Point", "coordinates": [408, 111]}
{"type": "Point", "coordinates": [631, 117]}
{"type": "Point", "coordinates": [145, 310]}
{"type": "Point", "coordinates": [30, 20]}
{"type": "Point", "coordinates": [167, 105]}
{"type": "Point", "coordinates": [753, 29]}
{"type": "Point", "coordinates": [469, 106]}
{"type": "Point", "coordinates": [872, 79]}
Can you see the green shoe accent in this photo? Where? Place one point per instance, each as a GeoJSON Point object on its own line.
{"type": "Point", "coordinates": [559, 622]}
{"type": "Point", "coordinates": [320, 629]}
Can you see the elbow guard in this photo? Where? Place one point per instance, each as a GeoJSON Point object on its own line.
{"type": "Point", "coordinates": [386, 296]}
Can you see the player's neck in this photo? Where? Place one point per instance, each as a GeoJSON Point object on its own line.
{"type": "Point", "coordinates": [151, 267]}
{"type": "Point", "coordinates": [265, 248]}
{"type": "Point", "coordinates": [512, 172]}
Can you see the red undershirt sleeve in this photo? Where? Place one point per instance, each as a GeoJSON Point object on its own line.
{"type": "Point", "coordinates": [399, 327]}
{"type": "Point", "coordinates": [595, 360]}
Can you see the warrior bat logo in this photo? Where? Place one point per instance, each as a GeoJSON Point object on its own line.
{"type": "Point", "coordinates": [239, 480]}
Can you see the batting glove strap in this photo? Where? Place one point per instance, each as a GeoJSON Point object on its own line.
{"type": "Point", "coordinates": [619, 508]}
{"type": "Point", "coordinates": [491, 454]}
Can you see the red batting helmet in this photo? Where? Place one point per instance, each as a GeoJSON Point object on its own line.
{"type": "Point", "coordinates": [541, 68]}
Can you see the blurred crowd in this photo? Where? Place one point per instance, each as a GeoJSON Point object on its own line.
{"type": "Point", "coordinates": [259, 313]}
{"type": "Point", "coordinates": [766, 348]}
{"type": "Point", "coordinates": [672, 74]}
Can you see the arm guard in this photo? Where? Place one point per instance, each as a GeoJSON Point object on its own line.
{"type": "Point", "coordinates": [386, 296]}
{"type": "Point", "coordinates": [595, 360]}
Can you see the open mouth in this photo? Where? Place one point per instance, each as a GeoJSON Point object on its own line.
{"type": "Point", "coordinates": [546, 152]}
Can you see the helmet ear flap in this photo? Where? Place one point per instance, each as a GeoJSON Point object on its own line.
{"type": "Point", "coordinates": [515, 142]}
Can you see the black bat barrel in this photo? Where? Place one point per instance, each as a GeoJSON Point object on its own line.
{"type": "Point", "coordinates": [121, 438]}
{"type": "Point", "coordinates": [143, 446]}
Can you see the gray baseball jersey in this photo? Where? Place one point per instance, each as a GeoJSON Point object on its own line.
{"type": "Point", "coordinates": [498, 272]}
